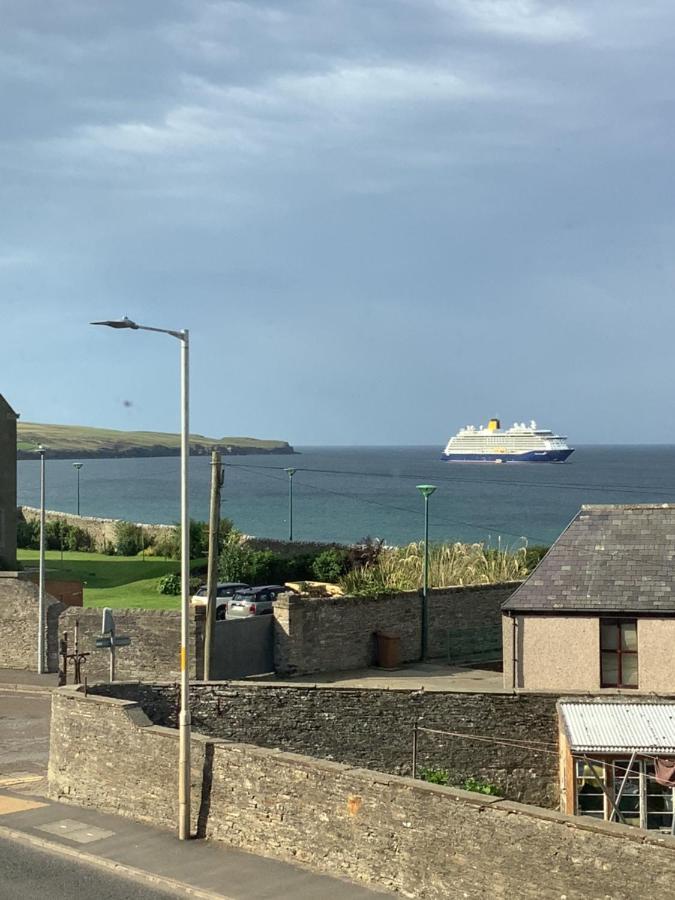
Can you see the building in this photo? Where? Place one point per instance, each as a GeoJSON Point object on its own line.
{"type": "Point", "coordinates": [617, 760]}
{"type": "Point", "coordinates": [598, 612]}
{"type": "Point", "coordinates": [7, 485]}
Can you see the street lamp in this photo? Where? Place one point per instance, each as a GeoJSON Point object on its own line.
{"type": "Point", "coordinates": [184, 718]}
{"type": "Point", "coordinates": [41, 578]}
{"type": "Point", "coordinates": [77, 467]}
{"type": "Point", "coordinates": [426, 490]}
{"type": "Point", "coordinates": [291, 473]}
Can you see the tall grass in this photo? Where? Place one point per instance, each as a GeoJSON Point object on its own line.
{"type": "Point", "coordinates": [401, 568]}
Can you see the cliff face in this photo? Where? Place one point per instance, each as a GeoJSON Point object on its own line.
{"type": "Point", "coordinates": [75, 442]}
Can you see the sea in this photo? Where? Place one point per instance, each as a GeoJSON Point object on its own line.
{"type": "Point", "coordinates": [348, 493]}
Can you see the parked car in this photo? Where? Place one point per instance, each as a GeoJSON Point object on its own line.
{"type": "Point", "coordinates": [255, 601]}
{"type": "Point", "coordinates": [225, 590]}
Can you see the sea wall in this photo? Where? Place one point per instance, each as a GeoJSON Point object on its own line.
{"type": "Point", "coordinates": [398, 834]}
{"type": "Point", "coordinates": [374, 728]}
{"type": "Point", "coordinates": [102, 531]}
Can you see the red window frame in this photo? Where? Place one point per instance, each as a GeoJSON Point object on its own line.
{"type": "Point", "coordinates": [619, 652]}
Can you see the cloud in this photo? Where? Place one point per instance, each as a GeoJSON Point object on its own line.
{"type": "Point", "coordinates": [533, 20]}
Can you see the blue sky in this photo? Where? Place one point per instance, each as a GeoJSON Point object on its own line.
{"type": "Point", "coordinates": [379, 219]}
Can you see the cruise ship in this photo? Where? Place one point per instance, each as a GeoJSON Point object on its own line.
{"type": "Point", "coordinates": [520, 443]}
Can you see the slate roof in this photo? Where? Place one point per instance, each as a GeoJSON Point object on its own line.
{"type": "Point", "coordinates": [609, 559]}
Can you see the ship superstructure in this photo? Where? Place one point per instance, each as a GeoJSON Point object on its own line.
{"type": "Point", "coordinates": [520, 443]}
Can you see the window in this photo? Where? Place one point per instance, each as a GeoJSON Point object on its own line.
{"type": "Point", "coordinates": [643, 803]}
{"type": "Point", "coordinates": [618, 653]}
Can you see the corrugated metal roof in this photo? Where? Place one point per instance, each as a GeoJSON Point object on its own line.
{"type": "Point", "coordinates": [609, 727]}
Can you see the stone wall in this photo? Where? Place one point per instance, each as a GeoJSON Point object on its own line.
{"type": "Point", "coordinates": [154, 652]}
{"type": "Point", "coordinates": [406, 836]}
{"type": "Point", "coordinates": [102, 531]}
{"type": "Point", "coordinates": [374, 728]}
{"type": "Point", "coordinates": [19, 624]}
{"type": "Point", "coordinates": [325, 634]}
{"type": "Point", "coordinates": [7, 486]}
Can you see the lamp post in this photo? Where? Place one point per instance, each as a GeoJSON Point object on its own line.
{"type": "Point", "coordinates": [77, 467]}
{"type": "Point", "coordinates": [184, 718]}
{"type": "Point", "coordinates": [291, 473]}
{"type": "Point", "coordinates": [426, 490]}
{"type": "Point", "coordinates": [41, 577]}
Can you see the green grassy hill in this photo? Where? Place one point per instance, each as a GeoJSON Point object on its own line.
{"type": "Point", "coordinates": [71, 441]}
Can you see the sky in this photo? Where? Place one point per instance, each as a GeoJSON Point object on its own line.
{"type": "Point", "coordinates": [380, 220]}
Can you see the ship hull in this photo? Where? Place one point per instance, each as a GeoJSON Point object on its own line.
{"type": "Point", "coordinates": [528, 456]}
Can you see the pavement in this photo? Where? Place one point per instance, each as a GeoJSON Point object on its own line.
{"type": "Point", "coordinates": [151, 857]}
{"type": "Point", "coordinates": [428, 676]}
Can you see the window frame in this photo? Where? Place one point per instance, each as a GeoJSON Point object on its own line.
{"type": "Point", "coordinates": [619, 652]}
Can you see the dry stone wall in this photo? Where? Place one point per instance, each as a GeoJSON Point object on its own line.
{"type": "Point", "coordinates": [19, 624]}
{"type": "Point", "coordinates": [374, 728]}
{"type": "Point", "coordinates": [154, 652]}
{"type": "Point", "coordinates": [406, 836]}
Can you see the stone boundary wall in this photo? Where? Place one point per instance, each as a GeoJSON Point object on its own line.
{"type": "Point", "coordinates": [19, 624]}
{"type": "Point", "coordinates": [327, 634]}
{"type": "Point", "coordinates": [154, 652]}
{"type": "Point", "coordinates": [418, 839]}
{"type": "Point", "coordinates": [373, 728]}
{"type": "Point", "coordinates": [102, 531]}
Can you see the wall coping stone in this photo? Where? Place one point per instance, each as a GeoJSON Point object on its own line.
{"type": "Point", "coordinates": [290, 600]}
{"type": "Point", "coordinates": [481, 801]}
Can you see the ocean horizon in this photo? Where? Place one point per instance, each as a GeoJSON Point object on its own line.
{"type": "Point", "coordinates": [345, 493]}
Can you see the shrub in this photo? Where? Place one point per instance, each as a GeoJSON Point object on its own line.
{"type": "Point", "coordinates": [127, 539]}
{"type": "Point", "coordinates": [330, 565]}
{"type": "Point", "coordinates": [479, 786]}
{"type": "Point", "coordinates": [434, 776]}
{"type": "Point", "coordinates": [169, 584]}
{"type": "Point", "coordinates": [400, 568]}
{"type": "Point", "coordinates": [168, 542]}
{"type": "Point", "coordinates": [28, 535]}
{"type": "Point", "coordinates": [234, 557]}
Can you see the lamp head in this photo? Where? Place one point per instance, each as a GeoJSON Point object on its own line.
{"type": "Point", "coordinates": [426, 490]}
{"type": "Point", "coordinates": [124, 322]}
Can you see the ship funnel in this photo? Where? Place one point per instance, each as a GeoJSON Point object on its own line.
{"type": "Point", "coordinates": [493, 425]}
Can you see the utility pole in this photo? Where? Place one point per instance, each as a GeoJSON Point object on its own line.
{"type": "Point", "coordinates": [41, 580]}
{"type": "Point", "coordinates": [217, 473]}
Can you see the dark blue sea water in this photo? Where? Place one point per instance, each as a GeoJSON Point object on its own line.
{"type": "Point", "coordinates": [346, 493]}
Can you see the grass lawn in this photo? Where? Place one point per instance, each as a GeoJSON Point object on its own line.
{"type": "Point", "coordinates": [116, 581]}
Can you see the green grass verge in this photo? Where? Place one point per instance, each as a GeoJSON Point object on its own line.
{"type": "Point", "coordinates": [115, 581]}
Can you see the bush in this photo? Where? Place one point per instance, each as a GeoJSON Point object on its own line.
{"type": "Point", "coordinates": [234, 559]}
{"type": "Point", "coordinates": [168, 542]}
{"type": "Point", "coordinates": [127, 539]}
{"type": "Point", "coordinates": [28, 535]}
{"type": "Point", "coordinates": [479, 786]}
{"type": "Point", "coordinates": [330, 565]}
{"type": "Point", "coordinates": [434, 776]}
{"type": "Point", "coordinates": [169, 584]}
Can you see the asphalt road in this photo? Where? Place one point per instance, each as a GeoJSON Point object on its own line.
{"type": "Point", "coordinates": [24, 732]}
{"type": "Point", "coordinates": [30, 874]}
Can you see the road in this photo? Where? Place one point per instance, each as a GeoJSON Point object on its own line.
{"type": "Point", "coordinates": [27, 874]}
{"type": "Point", "coordinates": [24, 726]}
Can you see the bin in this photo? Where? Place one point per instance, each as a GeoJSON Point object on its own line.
{"type": "Point", "coordinates": [388, 650]}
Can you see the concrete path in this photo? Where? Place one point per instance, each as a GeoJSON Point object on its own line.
{"type": "Point", "coordinates": [428, 676]}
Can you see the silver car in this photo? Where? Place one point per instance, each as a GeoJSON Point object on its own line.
{"type": "Point", "coordinates": [255, 601]}
{"type": "Point", "coordinates": [225, 590]}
